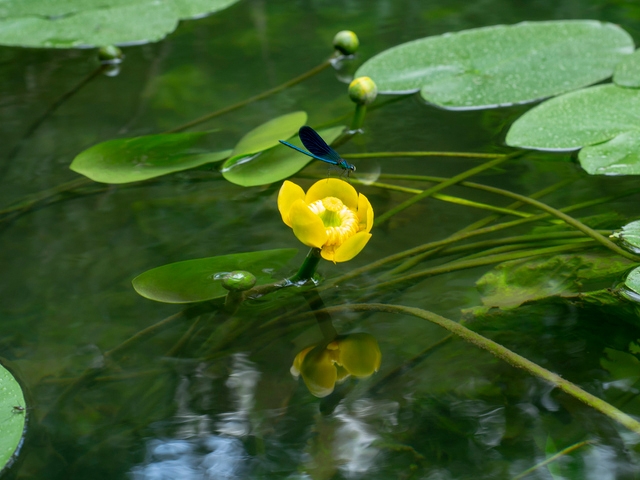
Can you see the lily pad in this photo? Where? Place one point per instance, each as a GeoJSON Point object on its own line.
{"type": "Point", "coordinates": [273, 165]}
{"type": "Point", "coordinates": [501, 65]}
{"type": "Point", "coordinates": [199, 280]}
{"type": "Point", "coordinates": [268, 134]}
{"type": "Point", "coordinates": [633, 280]}
{"type": "Point", "coordinates": [12, 417]}
{"type": "Point", "coordinates": [513, 283]}
{"type": "Point", "coordinates": [627, 72]}
{"type": "Point", "coordinates": [140, 158]}
{"type": "Point", "coordinates": [630, 235]}
{"type": "Point", "coordinates": [603, 119]}
{"type": "Point", "coordinates": [86, 23]}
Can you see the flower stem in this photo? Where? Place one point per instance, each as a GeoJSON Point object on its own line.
{"type": "Point", "coordinates": [502, 353]}
{"type": "Point", "coordinates": [308, 268]}
{"type": "Point", "coordinates": [255, 98]}
{"type": "Point", "coordinates": [358, 117]}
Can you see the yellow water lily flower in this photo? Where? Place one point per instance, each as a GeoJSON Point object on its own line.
{"type": "Point", "coordinates": [331, 216]}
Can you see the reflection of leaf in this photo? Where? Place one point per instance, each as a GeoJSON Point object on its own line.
{"type": "Point", "coordinates": [134, 159]}
{"type": "Point", "coordinates": [81, 23]}
{"type": "Point", "coordinates": [627, 73]}
{"type": "Point", "coordinates": [501, 65]}
{"type": "Point", "coordinates": [621, 365]}
{"type": "Point", "coordinates": [601, 120]}
{"type": "Point", "coordinates": [11, 419]}
{"type": "Point", "coordinates": [272, 165]}
{"type": "Point", "coordinates": [510, 284]}
{"type": "Point", "coordinates": [196, 280]}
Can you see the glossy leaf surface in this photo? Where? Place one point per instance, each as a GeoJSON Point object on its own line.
{"type": "Point", "coordinates": [12, 417]}
{"type": "Point", "coordinates": [627, 72]}
{"type": "Point", "coordinates": [602, 119]}
{"type": "Point", "coordinates": [501, 65]}
{"type": "Point", "coordinates": [140, 158]}
{"type": "Point", "coordinates": [268, 134]}
{"type": "Point", "coordinates": [273, 165]}
{"type": "Point", "coordinates": [84, 23]}
{"type": "Point", "coordinates": [199, 280]}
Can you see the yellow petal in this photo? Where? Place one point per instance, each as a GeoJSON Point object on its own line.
{"type": "Point", "coordinates": [351, 247]}
{"type": "Point", "coordinates": [360, 354]}
{"type": "Point", "coordinates": [328, 252]}
{"type": "Point", "coordinates": [319, 373]}
{"type": "Point", "coordinates": [289, 193]}
{"type": "Point", "coordinates": [307, 226]}
{"type": "Point", "coordinates": [332, 187]}
{"type": "Point", "coordinates": [297, 362]}
{"type": "Point", "coordinates": [365, 212]}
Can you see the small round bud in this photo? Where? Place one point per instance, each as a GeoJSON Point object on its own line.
{"type": "Point", "coordinates": [110, 54]}
{"type": "Point", "coordinates": [363, 90]}
{"type": "Point", "coordinates": [238, 281]}
{"type": "Point", "coordinates": [346, 42]}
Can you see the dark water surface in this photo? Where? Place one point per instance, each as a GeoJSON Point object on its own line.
{"type": "Point", "coordinates": [234, 410]}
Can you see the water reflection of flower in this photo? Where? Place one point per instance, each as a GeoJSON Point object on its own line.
{"type": "Point", "coordinates": [356, 355]}
{"type": "Point", "coordinates": [331, 216]}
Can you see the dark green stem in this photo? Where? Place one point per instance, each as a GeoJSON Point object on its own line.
{"type": "Point", "coordinates": [502, 353]}
{"type": "Point", "coordinates": [255, 98]}
{"type": "Point", "coordinates": [358, 117]}
{"type": "Point", "coordinates": [478, 262]}
{"type": "Point", "coordinates": [308, 268]}
{"type": "Point", "coordinates": [423, 154]}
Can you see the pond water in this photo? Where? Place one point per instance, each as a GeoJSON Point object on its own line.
{"type": "Point", "coordinates": [212, 396]}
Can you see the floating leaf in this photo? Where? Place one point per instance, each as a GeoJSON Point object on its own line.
{"type": "Point", "coordinates": [604, 115]}
{"type": "Point", "coordinates": [630, 234]}
{"type": "Point", "coordinates": [510, 284]}
{"type": "Point", "coordinates": [268, 134]}
{"type": "Point", "coordinates": [627, 72]}
{"type": "Point", "coordinates": [82, 23]}
{"type": "Point", "coordinates": [633, 280]}
{"type": "Point", "coordinates": [501, 65]}
{"type": "Point", "coordinates": [199, 280]}
{"type": "Point", "coordinates": [12, 417]}
{"type": "Point", "coordinates": [272, 165]}
{"type": "Point", "coordinates": [140, 158]}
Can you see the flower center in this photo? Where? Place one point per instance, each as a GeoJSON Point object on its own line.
{"type": "Point", "coordinates": [340, 222]}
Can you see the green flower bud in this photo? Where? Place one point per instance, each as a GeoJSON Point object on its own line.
{"type": "Point", "coordinates": [346, 42]}
{"type": "Point", "coordinates": [363, 90]}
{"type": "Point", "coordinates": [238, 281]}
{"type": "Point", "coordinates": [110, 54]}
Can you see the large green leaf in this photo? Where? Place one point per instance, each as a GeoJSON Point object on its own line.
{"type": "Point", "coordinates": [273, 165]}
{"type": "Point", "coordinates": [268, 134]}
{"type": "Point", "coordinates": [200, 279]}
{"type": "Point", "coordinates": [12, 417]}
{"type": "Point", "coordinates": [82, 23]}
{"type": "Point", "coordinates": [140, 158]}
{"type": "Point", "coordinates": [501, 65]}
{"type": "Point", "coordinates": [627, 72]}
{"type": "Point", "coordinates": [511, 284]}
{"type": "Point", "coordinates": [630, 235]}
{"type": "Point", "coordinates": [603, 119]}
{"type": "Point", "coordinates": [633, 281]}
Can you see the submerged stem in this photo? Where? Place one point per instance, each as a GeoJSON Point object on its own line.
{"type": "Point", "coordinates": [255, 98]}
{"type": "Point", "coordinates": [502, 353]}
{"type": "Point", "coordinates": [436, 188]}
